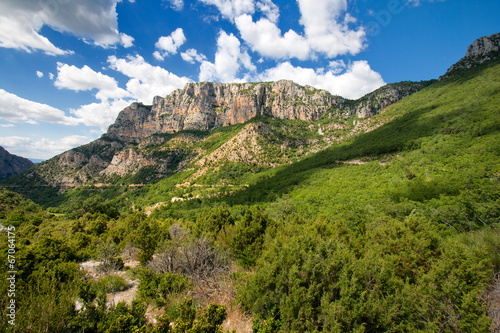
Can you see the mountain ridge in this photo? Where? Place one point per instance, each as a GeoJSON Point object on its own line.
{"type": "Point", "coordinates": [192, 128]}
{"type": "Point", "coordinates": [204, 107]}
{"type": "Point", "coordinates": [11, 165]}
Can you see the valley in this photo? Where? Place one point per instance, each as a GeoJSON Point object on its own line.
{"type": "Point", "coordinates": [272, 207]}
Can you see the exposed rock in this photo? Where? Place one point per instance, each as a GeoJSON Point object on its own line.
{"type": "Point", "coordinates": [484, 45]}
{"type": "Point", "coordinates": [11, 165]}
{"type": "Point", "coordinates": [244, 147]}
{"type": "Point", "coordinates": [208, 105]}
{"type": "Point", "coordinates": [127, 161]}
{"type": "Point", "coordinates": [77, 166]}
{"type": "Point", "coordinates": [142, 135]}
{"type": "Point", "coordinates": [480, 51]}
{"type": "Point", "coordinates": [381, 98]}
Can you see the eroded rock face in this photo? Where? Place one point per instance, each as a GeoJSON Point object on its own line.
{"type": "Point", "coordinates": [204, 106]}
{"type": "Point", "coordinates": [381, 98]}
{"type": "Point", "coordinates": [208, 105]}
{"type": "Point", "coordinates": [11, 165]}
{"type": "Point", "coordinates": [482, 50]}
{"type": "Point", "coordinates": [484, 45]}
{"type": "Point", "coordinates": [126, 162]}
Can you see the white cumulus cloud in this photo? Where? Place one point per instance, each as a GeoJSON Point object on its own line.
{"type": "Point", "coordinates": [191, 56]}
{"type": "Point", "coordinates": [41, 148]}
{"type": "Point", "coordinates": [327, 26]}
{"type": "Point", "coordinates": [85, 78]}
{"type": "Point", "coordinates": [167, 45]}
{"type": "Point", "coordinates": [19, 110]}
{"type": "Point", "coordinates": [21, 22]}
{"type": "Point", "coordinates": [100, 114]}
{"type": "Point", "coordinates": [358, 80]}
{"type": "Point", "coordinates": [232, 8]}
{"type": "Point", "coordinates": [39, 74]}
{"type": "Point", "coordinates": [146, 81]}
{"type": "Point", "coordinates": [269, 9]}
{"type": "Point", "coordinates": [229, 59]}
{"type": "Point", "coordinates": [265, 37]}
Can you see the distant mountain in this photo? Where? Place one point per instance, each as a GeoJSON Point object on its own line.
{"type": "Point", "coordinates": [11, 165]}
{"type": "Point", "coordinates": [36, 160]}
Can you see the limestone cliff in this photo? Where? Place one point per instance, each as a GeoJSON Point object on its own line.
{"type": "Point", "coordinates": [208, 105]}
{"type": "Point", "coordinates": [11, 165]}
{"type": "Point", "coordinates": [139, 139]}
{"type": "Point", "coordinates": [480, 51]}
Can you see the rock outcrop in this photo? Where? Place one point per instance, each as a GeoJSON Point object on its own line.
{"type": "Point", "coordinates": [209, 105]}
{"type": "Point", "coordinates": [139, 138]}
{"type": "Point", "coordinates": [480, 51]}
{"type": "Point", "coordinates": [11, 165]}
{"type": "Point", "coordinates": [381, 98]}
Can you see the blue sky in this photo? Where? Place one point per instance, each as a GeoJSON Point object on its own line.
{"type": "Point", "coordinates": [68, 67]}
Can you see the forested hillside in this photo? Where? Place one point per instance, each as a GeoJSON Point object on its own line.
{"type": "Point", "coordinates": [395, 227]}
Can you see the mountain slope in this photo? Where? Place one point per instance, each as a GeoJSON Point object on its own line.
{"type": "Point", "coordinates": [11, 165]}
{"type": "Point", "coordinates": [147, 143]}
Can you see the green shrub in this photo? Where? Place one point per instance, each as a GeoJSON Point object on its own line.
{"type": "Point", "coordinates": [110, 284]}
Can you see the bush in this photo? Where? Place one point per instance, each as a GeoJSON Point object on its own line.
{"type": "Point", "coordinates": [110, 284]}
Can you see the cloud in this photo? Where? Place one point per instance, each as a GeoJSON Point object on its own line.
{"type": "Point", "coordinates": [228, 60]}
{"type": "Point", "coordinates": [7, 125]}
{"type": "Point", "coordinates": [146, 81]}
{"type": "Point", "coordinates": [81, 79]}
{"type": "Point", "coordinates": [337, 66]}
{"type": "Point", "coordinates": [167, 45]}
{"type": "Point", "coordinates": [126, 40]}
{"type": "Point", "coordinates": [358, 80]}
{"type": "Point", "coordinates": [39, 74]}
{"type": "Point", "coordinates": [269, 9]}
{"type": "Point", "coordinates": [95, 20]}
{"type": "Point", "coordinates": [176, 5]}
{"type": "Point", "coordinates": [51, 76]}
{"type": "Point", "coordinates": [326, 26]}
{"type": "Point", "coordinates": [100, 114]}
{"type": "Point", "coordinates": [191, 55]}
{"type": "Point", "coordinates": [327, 31]}
{"type": "Point", "coordinates": [265, 37]}
{"type": "Point", "coordinates": [232, 8]}
{"type": "Point", "coordinates": [41, 148]}
{"type": "Point", "coordinates": [16, 109]}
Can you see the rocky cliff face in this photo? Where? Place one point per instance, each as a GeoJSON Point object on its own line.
{"type": "Point", "coordinates": [482, 50]}
{"type": "Point", "coordinates": [381, 98]}
{"type": "Point", "coordinates": [136, 141]}
{"type": "Point", "coordinates": [11, 165]}
{"type": "Point", "coordinates": [208, 105]}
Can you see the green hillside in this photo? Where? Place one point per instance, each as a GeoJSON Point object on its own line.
{"type": "Point", "coordinates": [394, 229]}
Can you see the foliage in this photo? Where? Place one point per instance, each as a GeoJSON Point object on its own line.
{"type": "Point", "coordinates": [110, 284]}
{"type": "Point", "coordinates": [208, 321]}
{"type": "Point", "coordinates": [160, 286]}
{"type": "Point", "coordinates": [392, 230]}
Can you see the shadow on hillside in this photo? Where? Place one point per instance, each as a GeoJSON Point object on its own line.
{"type": "Point", "coordinates": [399, 135]}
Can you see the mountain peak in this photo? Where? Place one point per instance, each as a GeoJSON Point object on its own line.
{"type": "Point", "coordinates": [484, 46]}
{"type": "Point", "coordinates": [480, 51]}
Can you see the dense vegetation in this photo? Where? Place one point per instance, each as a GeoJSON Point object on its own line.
{"type": "Point", "coordinates": [393, 230]}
